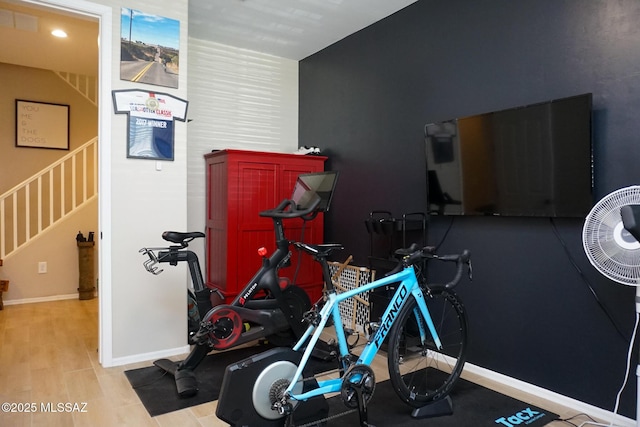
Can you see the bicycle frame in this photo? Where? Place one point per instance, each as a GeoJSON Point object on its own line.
{"type": "Point", "coordinates": [408, 286]}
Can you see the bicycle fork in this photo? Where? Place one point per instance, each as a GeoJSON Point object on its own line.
{"type": "Point", "coordinates": [391, 313]}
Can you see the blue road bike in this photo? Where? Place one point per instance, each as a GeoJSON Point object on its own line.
{"type": "Point", "coordinates": [423, 330]}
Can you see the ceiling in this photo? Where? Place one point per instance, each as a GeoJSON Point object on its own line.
{"type": "Point", "coordinates": [25, 31]}
{"type": "Point", "coordinates": [292, 29]}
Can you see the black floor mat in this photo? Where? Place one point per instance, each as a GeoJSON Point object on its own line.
{"type": "Point", "coordinates": [472, 405]}
{"type": "Point", "coordinates": [157, 389]}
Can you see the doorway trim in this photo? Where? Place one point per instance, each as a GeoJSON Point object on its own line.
{"type": "Point", "coordinates": [104, 14]}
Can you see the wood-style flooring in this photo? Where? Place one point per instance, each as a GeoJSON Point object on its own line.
{"type": "Point", "coordinates": [48, 356]}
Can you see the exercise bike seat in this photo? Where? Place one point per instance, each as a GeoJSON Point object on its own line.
{"type": "Point", "coordinates": [321, 250]}
{"type": "Point", "coordinates": [181, 238]}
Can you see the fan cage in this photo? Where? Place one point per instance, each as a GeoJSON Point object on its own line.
{"type": "Point", "coordinates": [601, 238]}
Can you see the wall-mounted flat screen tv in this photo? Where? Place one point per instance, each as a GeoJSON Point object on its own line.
{"type": "Point", "coordinates": [534, 160]}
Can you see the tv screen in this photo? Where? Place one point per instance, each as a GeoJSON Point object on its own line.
{"type": "Point", "coordinates": [534, 160]}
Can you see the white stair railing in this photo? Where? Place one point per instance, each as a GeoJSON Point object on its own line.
{"type": "Point", "coordinates": [87, 86]}
{"type": "Point", "coordinates": [41, 201]}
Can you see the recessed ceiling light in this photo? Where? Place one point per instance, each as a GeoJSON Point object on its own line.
{"type": "Point", "coordinates": [59, 33]}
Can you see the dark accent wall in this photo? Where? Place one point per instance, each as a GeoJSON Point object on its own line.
{"type": "Point", "coordinates": [538, 311]}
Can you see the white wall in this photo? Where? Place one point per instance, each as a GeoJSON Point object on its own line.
{"type": "Point", "coordinates": [141, 314]}
{"type": "Point", "coordinates": [57, 247]}
{"type": "Point", "coordinates": [237, 99]}
{"type": "Point", "coordinates": [147, 311]}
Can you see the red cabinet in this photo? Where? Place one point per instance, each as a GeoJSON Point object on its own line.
{"type": "Point", "coordinates": [241, 184]}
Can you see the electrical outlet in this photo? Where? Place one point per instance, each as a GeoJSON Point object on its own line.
{"type": "Point", "coordinates": [42, 267]}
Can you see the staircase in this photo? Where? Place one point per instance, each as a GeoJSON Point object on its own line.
{"type": "Point", "coordinates": [38, 203]}
{"type": "Point", "coordinates": [86, 86]}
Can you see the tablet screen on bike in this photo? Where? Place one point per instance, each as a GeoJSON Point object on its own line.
{"type": "Point", "coordinates": [311, 186]}
{"type": "Point", "coordinates": [303, 195]}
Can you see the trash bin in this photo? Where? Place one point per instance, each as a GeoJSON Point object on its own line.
{"type": "Point", "coordinates": [86, 290]}
{"type": "Point", "coordinates": [4, 287]}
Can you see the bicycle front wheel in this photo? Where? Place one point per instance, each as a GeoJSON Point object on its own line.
{"type": "Point", "coordinates": [420, 372]}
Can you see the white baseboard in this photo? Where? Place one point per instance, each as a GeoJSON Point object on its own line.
{"type": "Point", "coordinates": [40, 299]}
{"type": "Point", "coordinates": [576, 405]}
{"type": "Point", "coordinates": [144, 357]}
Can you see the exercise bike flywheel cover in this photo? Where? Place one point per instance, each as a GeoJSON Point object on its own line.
{"type": "Point", "coordinates": [227, 327]}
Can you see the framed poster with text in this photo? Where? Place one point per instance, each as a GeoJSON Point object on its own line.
{"type": "Point", "coordinates": [42, 125]}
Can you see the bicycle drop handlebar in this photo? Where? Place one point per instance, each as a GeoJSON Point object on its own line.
{"type": "Point", "coordinates": [413, 255]}
{"type": "Point", "coordinates": [460, 260]}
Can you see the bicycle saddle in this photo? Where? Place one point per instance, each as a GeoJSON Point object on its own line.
{"type": "Point", "coordinates": [179, 237]}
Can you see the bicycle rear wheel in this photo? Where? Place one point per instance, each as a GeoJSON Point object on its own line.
{"type": "Point", "coordinates": [420, 372]}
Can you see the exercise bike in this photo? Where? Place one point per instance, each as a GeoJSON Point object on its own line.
{"type": "Point", "coordinates": [200, 299]}
{"type": "Point", "coordinates": [268, 307]}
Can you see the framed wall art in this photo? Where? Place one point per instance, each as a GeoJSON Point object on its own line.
{"type": "Point", "coordinates": [150, 122]}
{"type": "Point", "coordinates": [149, 48]}
{"type": "Point", "coordinates": [42, 125]}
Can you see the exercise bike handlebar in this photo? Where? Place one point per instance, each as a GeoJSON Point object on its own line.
{"type": "Point", "coordinates": [288, 209]}
{"type": "Point", "coordinates": [173, 254]}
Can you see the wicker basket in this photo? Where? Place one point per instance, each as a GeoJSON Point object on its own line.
{"type": "Point", "coordinates": [354, 311]}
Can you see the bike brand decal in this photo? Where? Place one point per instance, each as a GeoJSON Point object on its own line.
{"type": "Point", "coordinates": [385, 326]}
{"type": "Point", "coordinates": [247, 294]}
{"type": "Point", "coordinates": [526, 416]}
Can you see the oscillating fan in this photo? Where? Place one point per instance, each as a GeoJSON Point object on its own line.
{"type": "Point", "coordinates": [612, 249]}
